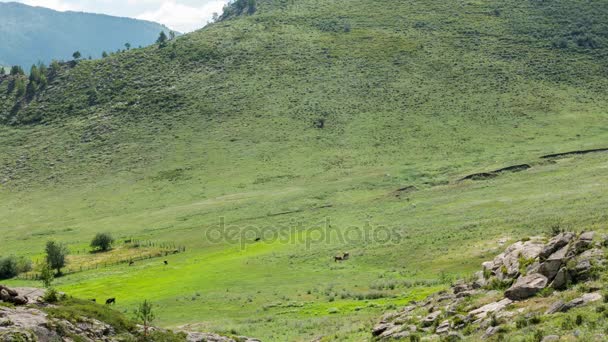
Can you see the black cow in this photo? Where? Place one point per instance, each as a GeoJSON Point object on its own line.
{"type": "Point", "coordinates": [166, 263]}
{"type": "Point", "coordinates": [110, 301]}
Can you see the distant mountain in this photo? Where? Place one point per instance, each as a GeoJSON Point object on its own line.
{"type": "Point", "coordinates": [31, 34]}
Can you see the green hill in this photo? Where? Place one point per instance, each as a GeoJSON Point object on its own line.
{"type": "Point", "coordinates": [310, 115]}
{"type": "Point", "coordinates": [36, 34]}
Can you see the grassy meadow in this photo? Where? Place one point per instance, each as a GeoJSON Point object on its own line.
{"type": "Point", "coordinates": [222, 125]}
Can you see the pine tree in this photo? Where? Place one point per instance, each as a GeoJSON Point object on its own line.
{"type": "Point", "coordinates": [162, 39]}
{"type": "Point", "coordinates": [17, 70]}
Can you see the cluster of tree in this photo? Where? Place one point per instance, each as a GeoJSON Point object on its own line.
{"type": "Point", "coordinates": [235, 8]}
{"type": "Point", "coordinates": [163, 38]}
{"type": "Point", "coordinates": [38, 79]}
{"type": "Point", "coordinates": [12, 266]}
{"type": "Point", "coordinates": [55, 258]}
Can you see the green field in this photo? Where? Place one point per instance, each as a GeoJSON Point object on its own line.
{"type": "Point", "coordinates": [161, 144]}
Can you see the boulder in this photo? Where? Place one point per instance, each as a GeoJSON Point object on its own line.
{"type": "Point", "coordinates": [381, 328]}
{"type": "Point", "coordinates": [551, 266]}
{"type": "Point", "coordinates": [550, 338]}
{"type": "Point", "coordinates": [582, 270]}
{"type": "Point", "coordinates": [431, 318]}
{"type": "Point", "coordinates": [556, 307]}
{"type": "Point", "coordinates": [4, 296]}
{"type": "Point", "coordinates": [556, 243]}
{"type": "Point", "coordinates": [20, 300]}
{"type": "Point", "coordinates": [587, 298]}
{"type": "Point", "coordinates": [461, 287]}
{"type": "Point", "coordinates": [526, 287]}
{"type": "Point", "coordinates": [491, 331]}
{"type": "Point", "coordinates": [483, 311]}
{"type": "Point", "coordinates": [561, 280]}
{"type": "Point", "coordinates": [585, 241]}
{"type": "Point", "coordinates": [528, 250]}
{"type": "Point", "coordinates": [443, 328]}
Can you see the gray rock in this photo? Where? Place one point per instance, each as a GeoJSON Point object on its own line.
{"type": "Point", "coordinates": [491, 331]}
{"type": "Point", "coordinates": [551, 266]}
{"type": "Point", "coordinates": [533, 268]}
{"type": "Point", "coordinates": [584, 242]}
{"type": "Point", "coordinates": [483, 311]}
{"type": "Point", "coordinates": [582, 270]}
{"type": "Point", "coordinates": [381, 328]}
{"type": "Point", "coordinates": [561, 280]}
{"type": "Point", "coordinates": [431, 318]}
{"type": "Point", "coordinates": [550, 338]}
{"type": "Point", "coordinates": [556, 307]}
{"type": "Point", "coordinates": [556, 243]}
{"type": "Point", "coordinates": [583, 300]}
{"type": "Point", "coordinates": [526, 287]}
{"type": "Point", "coordinates": [443, 328]}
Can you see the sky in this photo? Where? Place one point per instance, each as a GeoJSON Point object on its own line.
{"type": "Point", "coordinates": [180, 15]}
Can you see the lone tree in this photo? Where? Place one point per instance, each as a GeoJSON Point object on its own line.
{"type": "Point", "coordinates": [102, 242]}
{"type": "Point", "coordinates": [46, 275]}
{"type": "Point", "coordinates": [56, 255]}
{"type": "Point", "coordinates": [76, 55]}
{"type": "Point", "coordinates": [162, 39]}
{"type": "Point", "coordinates": [145, 314]}
{"type": "Point", "coordinates": [128, 46]}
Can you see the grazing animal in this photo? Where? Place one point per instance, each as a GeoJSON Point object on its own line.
{"type": "Point", "coordinates": [166, 262]}
{"type": "Point", "coordinates": [338, 258]}
{"type": "Point", "coordinates": [93, 300]}
{"type": "Point", "coordinates": [346, 256]}
{"type": "Point", "coordinates": [131, 263]}
{"type": "Point", "coordinates": [258, 239]}
{"type": "Point", "coordinates": [110, 301]}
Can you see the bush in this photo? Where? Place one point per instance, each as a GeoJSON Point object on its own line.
{"type": "Point", "coordinates": [102, 242]}
{"type": "Point", "coordinates": [51, 296]}
{"type": "Point", "coordinates": [11, 267]}
{"type": "Point", "coordinates": [8, 268]}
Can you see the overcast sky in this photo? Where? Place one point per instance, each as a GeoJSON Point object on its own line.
{"type": "Point", "coordinates": [180, 15]}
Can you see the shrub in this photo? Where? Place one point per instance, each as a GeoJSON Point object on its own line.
{"type": "Point", "coordinates": [11, 266]}
{"type": "Point", "coordinates": [51, 296]}
{"type": "Point", "coordinates": [8, 268]}
{"type": "Point", "coordinates": [102, 242]}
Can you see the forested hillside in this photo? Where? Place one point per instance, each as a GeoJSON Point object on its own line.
{"type": "Point", "coordinates": [29, 35]}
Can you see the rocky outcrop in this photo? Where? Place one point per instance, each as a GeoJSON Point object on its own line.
{"type": "Point", "coordinates": [12, 296]}
{"type": "Point", "coordinates": [526, 267]}
{"type": "Point", "coordinates": [21, 322]}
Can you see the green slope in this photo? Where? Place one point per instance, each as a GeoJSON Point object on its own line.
{"type": "Point", "coordinates": [160, 143]}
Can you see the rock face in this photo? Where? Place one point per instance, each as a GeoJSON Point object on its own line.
{"type": "Point", "coordinates": [527, 286]}
{"type": "Point", "coordinates": [12, 296]}
{"type": "Point", "coordinates": [527, 267]}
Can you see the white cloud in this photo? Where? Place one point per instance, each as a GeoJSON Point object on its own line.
{"type": "Point", "coordinates": [58, 5]}
{"type": "Point", "coordinates": [180, 15]}
{"type": "Point", "coordinates": [183, 18]}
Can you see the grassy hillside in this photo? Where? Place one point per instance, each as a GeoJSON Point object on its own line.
{"type": "Point", "coordinates": [36, 34]}
{"type": "Point", "coordinates": [306, 115]}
